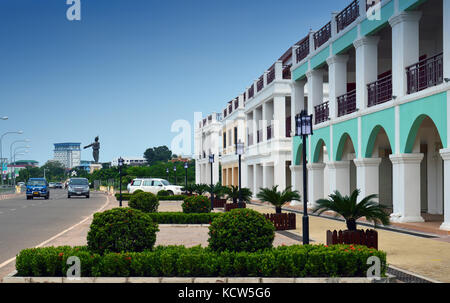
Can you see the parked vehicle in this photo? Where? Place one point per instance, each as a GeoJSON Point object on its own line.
{"type": "Point", "coordinates": [58, 185]}
{"type": "Point", "coordinates": [78, 187]}
{"type": "Point", "coordinates": [154, 185]}
{"type": "Point", "coordinates": [52, 185]}
{"type": "Point", "coordinates": [37, 187]}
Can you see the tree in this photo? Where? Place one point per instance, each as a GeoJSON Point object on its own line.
{"type": "Point", "coordinates": [351, 210]}
{"type": "Point", "coordinates": [54, 170]}
{"type": "Point", "coordinates": [160, 153]}
{"type": "Point", "coordinates": [276, 198]}
{"type": "Point", "coordinates": [233, 193]}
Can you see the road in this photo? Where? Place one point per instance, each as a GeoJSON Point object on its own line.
{"type": "Point", "coordinates": [27, 223]}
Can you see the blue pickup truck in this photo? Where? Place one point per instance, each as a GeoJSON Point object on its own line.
{"type": "Point", "coordinates": [37, 187]}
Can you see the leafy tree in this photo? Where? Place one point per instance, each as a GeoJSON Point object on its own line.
{"type": "Point", "coordinates": [277, 198]}
{"type": "Point", "coordinates": [351, 210]}
{"type": "Point", "coordinates": [160, 153]}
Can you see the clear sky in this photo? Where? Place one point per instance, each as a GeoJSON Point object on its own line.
{"type": "Point", "coordinates": [129, 68]}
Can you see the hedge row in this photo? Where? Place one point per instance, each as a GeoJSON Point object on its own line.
{"type": "Point", "coordinates": [183, 218]}
{"type": "Point", "coordinates": [127, 196]}
{"type": "Point", "coordinates": [178, 261]}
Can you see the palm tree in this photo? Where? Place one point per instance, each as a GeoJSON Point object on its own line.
{"type": "Point", "coordinates": [277, 198]}
{"type": "Point", "coordinates": [233, 193]}
{"type": "Point", "coordinates": [216, 190]}
{"type": "Point", "coordinates": [200, 189]}
{"type": "Point", "coordinates": [351, 210]}
{"type": "Point", "coordinates": [189, 188]}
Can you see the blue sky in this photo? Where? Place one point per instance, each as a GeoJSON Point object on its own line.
{"type": "Point", "coordinates": [130, 68]}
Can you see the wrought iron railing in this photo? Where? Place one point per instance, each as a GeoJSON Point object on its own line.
{"type": "Point", "coordinates": [251, 91]}
{"type": "Point", "coordinates": [271, 75]}
{"type": "Point", "coordinates": [346, 103]}
{"type": "Point", "coordinates": [269, 132]}
{"type": "Point", "coordinates": [259, 135]}
{"type": "Point", "coordinates": [287, 71]}
{"type": "Point", "coordinates": [250, 139]}
{"type": "Point", "coordinates": [230, 108]}
{"type": "Point", "coordinates": [303, 49]}
{"type": "Point", "coordinates": [288, 127]}
{"type": "Point", "coordinates": [321, 112]}
{"type": "Point", "coordinates": [379, 91]}
{"type": "Point", "coordinates": [236, 103]}
{"type": "Point", "coordinates": [347, 16]}
{"type": "Point", "coordinates": [260, 83]}
{"type": "Point", "coordinates": [425, 73]}
{"type": "Point", "coordinates": [322, 35]}
{"type": "Point", "coordinates": [224, 112]}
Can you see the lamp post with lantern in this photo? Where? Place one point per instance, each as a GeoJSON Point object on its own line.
{"type": "Point", "coordinates": [175, 172]}
{"type": "Point", "coordinates": [211, 161]}
{"type": "Point", "coordinates": [120, 162]}
{"type": "Point", "coordinates": [185, 177]}
{"type": "Point", "coordinates": [240, 152]}
{"type": "Point", "coordinates": [303, 123]}
{"type": "Point", "coordinates": [167, 173]}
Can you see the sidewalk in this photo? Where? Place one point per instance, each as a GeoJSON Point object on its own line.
{"type": "Point", "coordinates": [429, 257]}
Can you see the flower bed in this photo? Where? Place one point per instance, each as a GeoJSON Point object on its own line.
{"type": "Point", "coordinates": [179, 261]}
{"type": "Point", "coordinates": [182, 218]}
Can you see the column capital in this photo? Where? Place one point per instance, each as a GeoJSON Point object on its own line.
{"type": "Point", "coordinates": [365, 162]}
{"type": "Point", "coordinates": [315, 166]}
{"type": "Point", "coordinates": [366, 40]}
{"type": "Point", "coordinates": [296, 168]}
{"type": "Point", "coordinates": [337, 59]}
{"type": "Point", "coordinates": [414, 158]}
{"type": "Point", "coordinates": [314, 73]}
{"type": "Point", "coordinates": [338, 164]}
{"type": "Point", "coordinates": [445, 154]}
{"type": "Point", "coordinates": [411, 16]}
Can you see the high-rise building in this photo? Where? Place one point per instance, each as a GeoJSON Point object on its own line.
{"type": "Point", "coordinates": [68, 154]}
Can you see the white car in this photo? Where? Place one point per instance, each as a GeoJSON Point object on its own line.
{"type": "Point", "coordinates": [154, 185]}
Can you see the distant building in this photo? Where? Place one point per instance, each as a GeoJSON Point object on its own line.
{"type": "Point", "coordinates": [68, 154]}
{"type": "Point", "coordinates": [180, 159]}
{"type": "Point", "coordinates": [19, 165]}
{"type": "Point", "coordinates": [86, 165]}
{"type": "Point", "coordinates": [130, 161]}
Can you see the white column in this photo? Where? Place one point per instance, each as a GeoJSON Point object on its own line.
{"type": "Point", "coordinates": [297, 101]}
{"type": "Point", "coordinates": [244, 171]}
{"type": "Point", "coordinates": [339, 173]}
{"type": "Point", "coordinates": [315, 89]}
{"type": "Point", "coordinates": [446, 42]}
{"type": "Point", "coordinates": [255, 126]}
{"type": "Point", "coordinates": [406, 187]}
{"type": "Point", "coordinates": [445, 154]}
{"type": "Point", "coordinates": [405, 47]}
{"type": "Point", "coordinates": [337, 80]}
{"type": "Point", "coordinates": [315, 182]}
{"type": "Point", "coordinates": [366, 67]}
{"type": "Point", "coordinates": [367, 172]}
{"type": "Point", "coordinates": [297, 181]}
{"type": "Point", "coordinates": [258, 178]}
{"type": "Point", "coordinates": [279, 173]}
{"type": "Point", "coordinates": [266, 119]}
{"type": "Point", "coordinates": [279, 117]}
{"type": "Point", "coordinates": [279, 70]}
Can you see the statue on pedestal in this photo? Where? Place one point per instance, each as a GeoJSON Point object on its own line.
{"type": "Point", "coordinates": [95, 149]}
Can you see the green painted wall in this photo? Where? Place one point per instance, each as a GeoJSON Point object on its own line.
{"type": "Point", "coordinates": [409, 4]}
{"type": "Point", "coordinates": [370, 125]}
{"type": "Point", "coordinates": [320, 58]}
{"type": "Point", "coordinates": [368, 26]}
{"type": "Point", "coordinates": [300, 71]}
{"type": "Point", "coordinates": [322, 134]}
{"type": "Point", "coordinates": [340, 132]}
{"type": "Point", "coordinates": [345, 41]}
{"type": "Point", "coordinates": [296, 149]}
{"type": "Point", "coordinates": [413, 113]}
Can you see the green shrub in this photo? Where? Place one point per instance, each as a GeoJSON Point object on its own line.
{"type": "Point", "coordinates": [241, 229]}
{"type": "Point", "coordinates": [179, 261]}
{"type": "Point", "coordinates": [121, 229]}
{"type": "Point", "coordinates": [172, 198]}
{"type": "Point", "coordinates": [163, 193]}
{"type": "Point", "coordinates": [183, 218]}
{"type": "Point", "coordinates": [137, 191]}
{"type": "Point", "coordinates": [125, 196]}
{"type": "Point", "coordinates": [196, 204]}
{"type": "Point", "coordinates": [146, 202]}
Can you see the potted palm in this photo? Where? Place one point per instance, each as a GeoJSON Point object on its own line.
{"type": "Point", "coordinates": [189, 189]}
{"type": "Point", "coordinates": [200, 189]}
{"type": "Point", "coordinates": [217, 191]}
{"type": "Point", "coordinates": [278, 198]}
{"type": "Point", "coordinates": [233, 193]}
{"type": "Point", "coordinates": [349, 208]}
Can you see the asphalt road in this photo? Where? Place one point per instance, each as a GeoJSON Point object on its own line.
{"type": "Point", "coordinates": [27, 223]}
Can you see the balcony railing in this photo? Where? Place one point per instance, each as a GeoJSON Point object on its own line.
{"type": "Point", "coordinates": [271, 74]}
{"type": "Point", "coordinates": [258, 135]}
{"type": "Point", "coordinates": [303, 49]}
{"type": "Point", "coordinates": [321, 112]}
{"type": "Point", "coordinates": [347, 16]}
{"type": "Point", "coordinates": [322, 35]}
{"type": "Point", "coordinates": [269, 132]}
{"type": "Point", "coordinates": [236, 103]}
{"type": "Point", "coordinates": [288, 127]}
{"type": "Point", "coordinates": [204, 122]}
{"type": "Point", "coordinates": [287, 71]}
{"type": "Point", "coordinates": [230, 108]}
{"type": "Point", "coordinates": [425, 73]}
{"type": "Point", "coordinates": [250, 139]}
{"type": "Point", "coordinates": [251, 91]}
{"type": "Point", "coordinates": [224, 112]}
{"type": "Point", "coordinates": [260, 84]}
{"type": "Point", "coordinates": [380, 91]}
{"type": "Point", "coordinates": [347, 103]}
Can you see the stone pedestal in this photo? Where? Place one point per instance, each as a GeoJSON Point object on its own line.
{"type": "Point", "coordinates": [95, 166]}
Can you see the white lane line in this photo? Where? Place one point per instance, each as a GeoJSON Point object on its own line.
{"type": "Point", "coordinates": [61, 233]}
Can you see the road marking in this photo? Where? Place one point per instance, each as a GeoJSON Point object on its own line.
{"type": "Point", "coordinates": [61, 233]}
{"type": "Point", "coordinates": [24, 206]}
{"type": "Point", "coordinates": [12, 209]}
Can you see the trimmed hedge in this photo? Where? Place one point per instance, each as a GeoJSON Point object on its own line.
{"type": "Point", "coordinates": [196, 204]}
{"type": "Point", "coordinates": [163, 193]}
{"type": "Point", "coordinates": [127, 196]}
{"type": "Point", "coordinates": [179, 261]}
{"type": "Point", "coordinates": [146, 202]}
{"type": "Point", "coordinates": [183, 218]}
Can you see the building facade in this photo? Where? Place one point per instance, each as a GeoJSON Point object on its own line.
{"type": "Point", "coordinates": [131, 161]}
{"type": "Point", "coordinates": [68, 154]}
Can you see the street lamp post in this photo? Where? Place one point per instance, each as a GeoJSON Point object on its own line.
{"type": "Point", "coordinates": [175, 172]}
{"type": "Point", "coordinates": [1, 147]}
{"type": "Point", "coordinates": [44, 172]}
{"type": "Point", "coordinates": [304, 129]}
{"type": "Point", "coordinates": [10, 150]}
{"type": "Point", "coordinates": [185, 176]}
{"type": "Point", "coordinates": [13, 175]}
{"type": "Point", "coordinates": [167, 172]}
{"type": "Point", "coordinates": [120, 162]}
{"type": "Point", "coordinates": [240, 152]}
{"type": "Point", "coordinates": [211, 160]}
